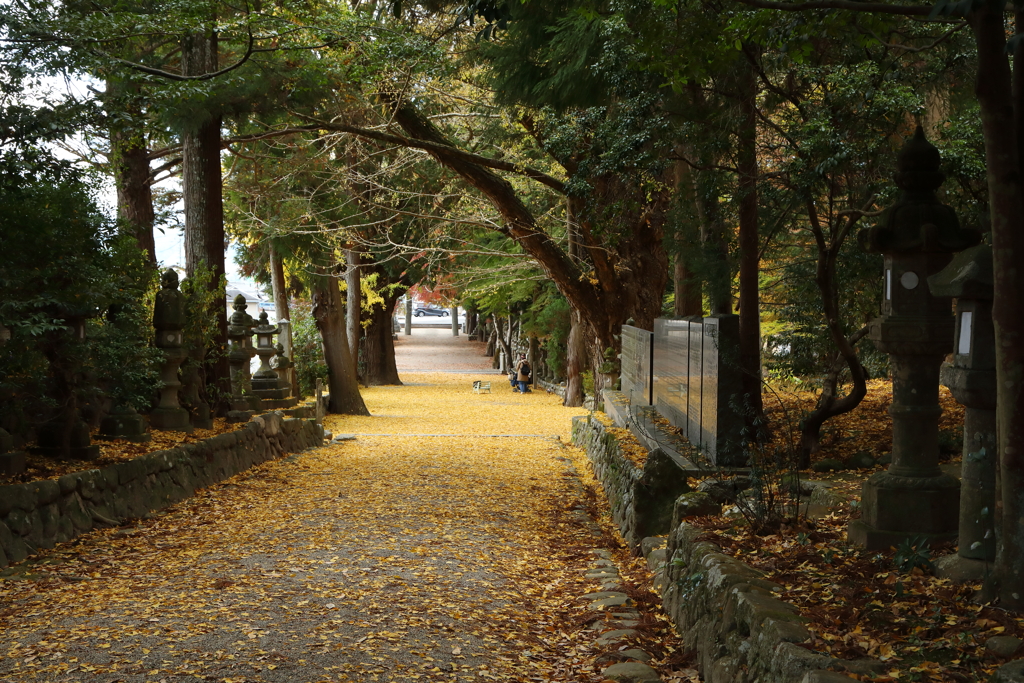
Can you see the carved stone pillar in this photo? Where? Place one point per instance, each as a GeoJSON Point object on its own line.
{"type": "Point", "coordinates": [917, 236]}
{"type": "Point", "coordinates": [169, 321]}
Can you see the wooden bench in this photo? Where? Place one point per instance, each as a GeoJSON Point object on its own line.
{"type": "Point", "coordinates": [481, 387]}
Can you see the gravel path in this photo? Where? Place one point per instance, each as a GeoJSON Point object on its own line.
{"type": "Point", "coordinates": [436, 350]}
{"type": "Point", "coordinates": [386, 558]}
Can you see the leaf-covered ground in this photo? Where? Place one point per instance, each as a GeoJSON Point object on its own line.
{"type": "Point", "coordinates": [113, 451]}
{"type": "Point", "coordinates": [391, 557]}
{"type": "Point", "coordinates": [858, 603]}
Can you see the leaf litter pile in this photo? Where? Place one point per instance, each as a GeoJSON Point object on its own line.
{"type": "Point", "coordinates": [859, 604]}
{"type": "Point", "coordinates": [114, 451]}
{"type": "Point", "coordinates": [392, 557]}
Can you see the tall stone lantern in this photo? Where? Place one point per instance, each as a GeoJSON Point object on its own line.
{"type": "Point", "coordinates": [265, 382]}
{"type": "Point", "coordinates": [169, 321]}
{"type": "Point", "coordinates": [240, 335]}
{"type": "Point", "coordinates": [917, 236]}
{"type": "Point", "coordinates": [971, 378]}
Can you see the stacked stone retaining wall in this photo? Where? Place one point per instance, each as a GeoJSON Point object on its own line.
{"type": "Point", "coordinates": [43, 513]}
{"type": "Point", "coordinates": [724, 610]}
{"type": "Point", "coordinates": [641, 499]}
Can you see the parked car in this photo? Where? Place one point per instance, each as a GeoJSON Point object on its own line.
{"type": "Point", "coordinates": [429, 310]}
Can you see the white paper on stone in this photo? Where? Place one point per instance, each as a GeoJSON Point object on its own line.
{"type": "Point", "coordinates": [964, 347]}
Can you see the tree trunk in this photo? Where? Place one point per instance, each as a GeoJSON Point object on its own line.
{"type": "Point", "coordinates": [1001, 98]}
{"type": "Point", "coordinates": [749, 244]}
{"type": "Point", "coordinates": [533, 358]}
{"type": "Point", "coordinates": [689, 296]}
{"type": "Point", "coordinates": [829, 404]}
{"type": "Point", "coordinates": [379, 346]}
{"type": "Point", "coordinates": [712, 237]}
{"type": "Point", "coordinates": [202, 195]}
{"type": "Point", "coordinates": [330, 321]}
{"type": "Point", "coordinates": [280, 291]}
{"type": "Point", "coordinates": [605, 286]}
{"type": "Point", "coordinates": [575, 362]}
{"type": "Point", "coordinates": [130, 161]}
{"type": "Point", "coordinates": [353, 305]}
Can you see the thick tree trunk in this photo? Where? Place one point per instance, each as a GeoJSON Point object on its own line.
{"type": "Point", "coordinates": [202, 195]}
{"type": "Point", "coordinates": [689, 295]}
{"type": "Point", "coordinates": [130, 161]}
{"type": "Point", "coordinates": [749, 244]}
{"type": "Point", "coordinates": [576, 360]}
{"type": "Point", "coordinates": [712, 237]}
{"type": "Point", "coordinates": [352, 306]}
{"type": "Point", "coordinates": [379, 345]}
{"type": "Point", "coordinates": [1001, 97]}
{"type": "Point", "coordinates": [330, 321]}
{"type": "Point", "coordinates": [605, 286]}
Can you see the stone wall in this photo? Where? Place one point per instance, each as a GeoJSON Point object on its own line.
{"type": "Point", "coordinates": [641, 499]}
{"type": "Point", "coordinates": [43, 513]}
{"type": "Point", "coordinates": [724, 610]}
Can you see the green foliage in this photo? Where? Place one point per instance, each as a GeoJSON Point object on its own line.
{"type": "Point", "coordinates": [124, 359]}
{"type": "Point", "coordinates": [913, 552]}
{"type": "Point", "coordinates": [307, 348]}
{"type": "Point", "coordinates": [203, 302]}
{"type": "Point", "coordinates": [62, 269]}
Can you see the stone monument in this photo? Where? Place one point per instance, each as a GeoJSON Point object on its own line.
{"type": "Point", "coordinates": [917, 236]}
{"type": "Point", "coordinates": [265, 383]}
{"type": "Point", "coordinates": [971, 378]}
{"type": "Point", "coordinates": [240, 337]}
{"type": "Point", "coordinates": [169, 321]}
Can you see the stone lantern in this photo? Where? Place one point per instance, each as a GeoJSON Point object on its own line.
{"type": "Point", "coordinates": [265, 381]}
{"type": "Point", "coordinates": [282, 364]}
{"type": "Point", "coordinates": [971, 378]}
{"type": "Point", "coordinates": [240, 335]}
{"type": "Point", "coordinates": [917, 237]}
{"type": "Point", "coordinates": [169, 321]}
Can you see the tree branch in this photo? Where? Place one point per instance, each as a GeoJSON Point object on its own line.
{"type": "Point", "coordinates": [848, 5]}
{"type": "Point", "coordinates": [170, 75]}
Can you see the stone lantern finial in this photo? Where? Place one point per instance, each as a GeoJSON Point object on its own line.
{"type": "Point", "coordinates": [917, 166]}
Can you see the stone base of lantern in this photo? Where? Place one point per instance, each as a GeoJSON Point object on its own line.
{"type": "Point", "coordinates": [170, 420]}
{"type": "Point", "coordinates": [235, 416]}
{"type": "Point", "coordinates": [962, 569]}
{"type": "Point", "coordinates": [898, 508]}
{"type": "Point", "coordinates": [201, 417]}
{"type": "Point", "coordinates": [12, 463]}
{"type": "Point", "coordinates": [51, 434]}
{"type": "Point", "coordinates": [124, 423]}
{"type": "Point", "coordinates": [279, 403]}
{"type": "Point", "coordinates": [273, 392]}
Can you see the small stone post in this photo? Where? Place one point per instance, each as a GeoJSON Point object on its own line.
{"type": "Point", "coordinates": [408, 314]}
{"type": "Point", "coordinates": [455, 321]}
{"type": "Point", "coordinates": [971, 378]}
{"type": "Point", "coordinates": [284, 338]}
{"type": "Point", "coordinates": [284, 367]}
{"type": "Point", "coordinates": [169, 321]}
{"type": "Point", "coordinates": [917, 236]}
{"type": "Point", "coordinates": [319, 402]}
